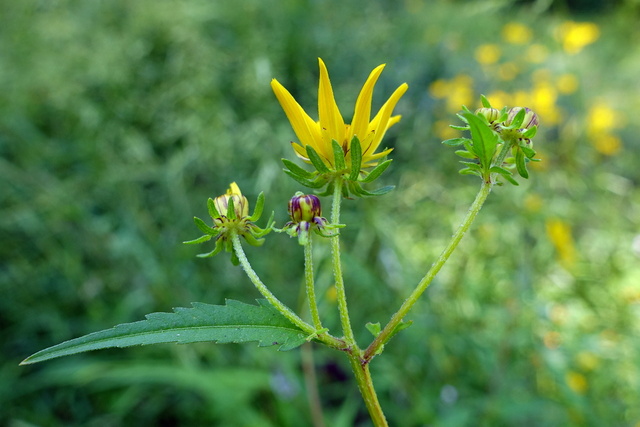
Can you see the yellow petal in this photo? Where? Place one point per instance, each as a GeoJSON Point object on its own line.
{"type": "Point", "coordinates": [305, 128]}
{"type": "Point", "coordinates": [362, 112]}
{"type": "Point", "coordinates": [380, 122]}
{"type": "Point", "coordinates": [234, 189]}
{"type": "Point", "coordinates": [330, 117]}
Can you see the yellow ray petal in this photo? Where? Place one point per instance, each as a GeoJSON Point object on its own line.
{"type": "Point", "coordinates": [362, 112]}
{"type": "Point", "coordinates": [330, 117]}
{"type": "Point", "coordinates": [302, 124]}
{"type": "Point", "coordinates": [380, 122]}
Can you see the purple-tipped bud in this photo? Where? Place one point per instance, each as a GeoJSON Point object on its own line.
{"type": "Point", "coordinates": [530, 118]}
{"type": "Point", "coordinates": [304, 207]}
{"type": "Point", "coordinates": [491, 114]}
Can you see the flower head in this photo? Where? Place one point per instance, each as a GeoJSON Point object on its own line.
{"type": "Point", "coordinates": [230, 215]}
{"type": "Point", "coordinates": [306, 216]}
{"type": "Point", "coordinates": [319, 135]}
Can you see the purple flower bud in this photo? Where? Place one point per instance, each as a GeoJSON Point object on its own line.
{"type": "Point", "coordinates": [530, 118]}
{"type": "Point", "coordinates": [304, 207]}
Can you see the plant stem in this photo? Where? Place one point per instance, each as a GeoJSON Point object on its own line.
{"type": "Point", "coordinates": [390, 328]}
{"type": "Point", "coordinates": [310, 285]}
{"type": "Point", "coordinates": [286, 311]}
{"type": "Point", "coordinates": [337, 268]}
{"type": "Point", "coordinates": [360, 369]}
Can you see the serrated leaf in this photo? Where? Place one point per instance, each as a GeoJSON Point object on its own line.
{"type": "Point", "coordinates": [484, 139]}
{"type": "Point", "coordinates": [315, 159]}
{"type": "Point", "coordinates": [297, 169]}
{"type": "Point", "coordinates": [377, 171]}
{"type": "Point", "coordinates": [338, 155]}
{"type": "Point", "coordinates": [356, 158]}
{"type": "Point", "coordinates": [235, 322]}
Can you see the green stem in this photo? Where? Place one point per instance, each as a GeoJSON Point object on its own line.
{"type": "Point", "coordinates": [360, 369]}
{"type": "Point", "coordinates": [310, 285]}
{"type": "Point", "coordinates": [390, 328]}
{"type": "Point", "coordinates": [286, 311]}
{"type": "Point", "coordinates": [337, 268]}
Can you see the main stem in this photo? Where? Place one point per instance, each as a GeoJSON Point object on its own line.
{"type": "Point", "coordinates": [365, 384]}
{"type": "Point", "coordinates": [390, 328]}
{"type": "Point", "coordinates": [286, 311]}
{"type": "Point", "coordinates": [337, 268]}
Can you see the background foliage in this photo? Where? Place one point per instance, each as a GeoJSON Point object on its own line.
{"type": "Point", "coordinates": [118, 119]}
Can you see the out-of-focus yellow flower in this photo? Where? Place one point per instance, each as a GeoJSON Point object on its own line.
{"type": "Point", "coordinates": [607, 144]}
{"type": "Point", "coordinates": [500, 97]}
{"type": "Point", "coordinates": [567, 83]}
{"type": "Point", "coordinates": [331, 126]}
{"type": "Point", "coordinates": [516, 33]}
{"type": "Point", "coordinates": [443, 131]}
{"type": "Point", "coordinates": [559, 233]}
{"type": "Point", "coordinates": [543, 101]}
{"type": "Point", "coordinates": [601, 118]}
{"type": "Point", "coordinates": [537, 53]}
{"type": "Point", "coordinates": [439, 88]}
{"type": "Point", "coordinates": [508, 71]}
{"type": "Point", "coordinates": [487, 54]}
{"type": "Point", "coordinates": [460, 92]}
{"type": "Point", "coordinates": [576, 382]}
{"type": "Point", "coordinates": [574, 36]}
{"type": "Point", "coordinates": [587, 360]}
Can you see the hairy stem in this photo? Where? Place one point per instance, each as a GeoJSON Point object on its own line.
{"type": "Point", "coordinates": [390, 328]}
{"type": "Point", "coordinates": [360, 369]}
{"type": "Point", "coordinates": [286, 311]}
{"type": "Point", "coordinates": [310, 284]}
{"type": "Point", "coordinates": [337, 268]}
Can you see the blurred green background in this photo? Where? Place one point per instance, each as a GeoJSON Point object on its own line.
{"type": "Point", "coordinates": [118, 119]}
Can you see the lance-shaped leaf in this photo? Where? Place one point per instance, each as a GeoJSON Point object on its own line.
{"type": "Point", "coordinates": [338, 156]}
{"type": "Point", "coordinates": [297, 170]}
{"type": "Point", "coordinates": [356, 158]}
{"type": "Point", "coordinates": [316, 160]}
{"type": "Point", "coordinates": [484, 139]}
{"type": "Point", "coordinates": [235, 322]}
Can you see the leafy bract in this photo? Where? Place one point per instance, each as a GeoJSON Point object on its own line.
{"type": "Point", "coordinates": [235, 322]}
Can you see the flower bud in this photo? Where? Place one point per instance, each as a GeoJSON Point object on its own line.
{"type": "Point", "coordinates": [530, 118]}
{"type": "Point", "coordinates": [304, 207]}
{"type": "Point", "coordinates": [240, 203]}
{"type": "Point", "coordinates": [491, 114]}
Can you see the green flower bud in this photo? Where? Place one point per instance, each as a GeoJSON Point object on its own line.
{"type": "Point", "coordinates": [530, 118]}
{"type": "Point", "coordinates": [304, 207]}
{"type": "Point", "coordinates": [491, 114]}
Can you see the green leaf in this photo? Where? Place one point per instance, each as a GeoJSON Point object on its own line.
{"type": "Point", "coordinates": [200, 239]}
{"type": "Point", "coordinates": [531, 132]}
{"type": "Point", "coordinates": [211, 207]}
{"type": "Point", "coordinates": [484, 139]}
{"type": "Point", "coordinates": [465, 154]}
{"type": "Point", "coordinates": [204, 227]}
{"type": "Point", "coordinates": [315, 159]}
{"type": "Point", "coordinates": [374, 328]}
{"type": "Point", "coordinates": [378, 192]}
{"type": "Point", "coordinates": [257, 212]}
{"type": "Point", "coordinates": [338, 155]}
{"type": "Point", "coordinates": [235, 322]}
{"type": "Point", "coordinates": [317, 183]}
{"type": "Point", "coordinates": [529, 152]}
{"type": "Point", "coordinates": [521, 164]}
{"type": "Point", "coordinates": [506, 174]}
{"type": "Point", "coordinates": [356, 158]}
{"type": "Point", "coordinates": [377, 171]}
{"type": "Point", "coordinates": [485, 102]}
{"type": "Point", "coordinates": [454, 142]}
{"type": "Point", "coordinates": [297, 169]}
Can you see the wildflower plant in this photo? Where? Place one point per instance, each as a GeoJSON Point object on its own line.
{"type": "Point", "coordinates": [343, 158]}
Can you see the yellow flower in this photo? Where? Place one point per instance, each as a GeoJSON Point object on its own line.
{"type": "Point", "coordinates": [576, 35]}
{"type": "Point", "coordinates": [516, 33]}
{"type": "Point", "coordinates": [487, 54]}
{"type": "Point", "coordinates": [331, 126]}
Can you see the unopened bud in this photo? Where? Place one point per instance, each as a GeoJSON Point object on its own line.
{"type": "Point", "coordinates": [240, 203]}
{"type": "Point", "coordinates": [491, 114]}
{"type": "Point", "coordinates": [304, 207]}
{"type": "Point", "coordinates": [530, 118]}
